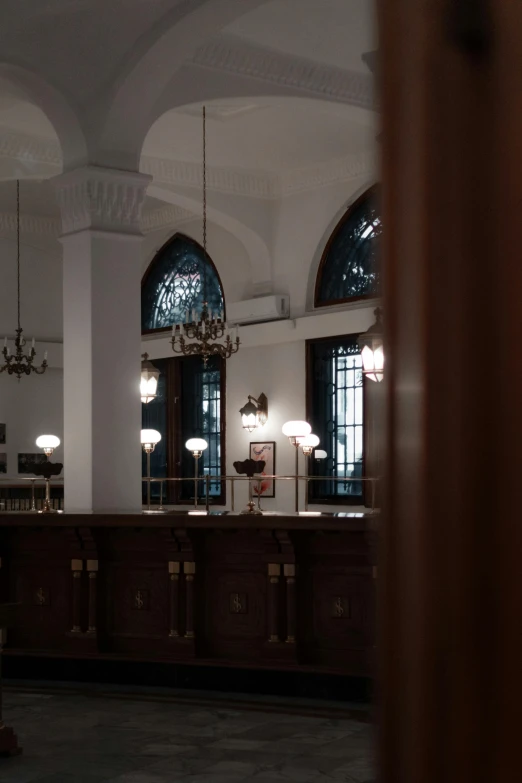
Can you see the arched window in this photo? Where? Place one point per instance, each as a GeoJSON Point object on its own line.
{"type": "Point", "coordinates": [175, 283]}
{"type": "Point", "coordinates": [349, 267]}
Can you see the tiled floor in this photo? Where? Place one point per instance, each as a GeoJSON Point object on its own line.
{"type": "Point", "coordinates": [110, 738]}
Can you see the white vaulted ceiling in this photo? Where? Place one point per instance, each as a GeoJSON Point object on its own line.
{"type": "Point", "coordinates": [333, 32]}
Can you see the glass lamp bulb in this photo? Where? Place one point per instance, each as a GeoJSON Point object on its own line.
{"type": "Point", "coordinates": [196, 445]}
{"type": "Point", "coordinates": [249, 421]}
{"type": "Point", "coordinates": [149, 439]}
{"type": "Point", "coordinates": [296, 430]}
{"type": "Point", "coordinates": [48, 443]}
{"type": "Point", "coordinates": [311, 440]}
{"type": "Point", "coordinates": [320, 454]}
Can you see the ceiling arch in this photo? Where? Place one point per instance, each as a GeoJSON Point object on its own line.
{"type": "Point", "coordinates": [23, 85]}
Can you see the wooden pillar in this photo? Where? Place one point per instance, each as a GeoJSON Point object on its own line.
{"type": "Point", "coordinates": [174, 598]}
{"type": "Point", "coordinates": [190, 572]}
{"type": "Point", "coordinates": [450, 581]}
{"type": "Point", "coordinates": [92, 569]}
{"type": "Point", "coordinates": [274, 570]}
{"type": "Point", "coordinates": [289, 571]}
{"type": "Point", "coordinates": [76, 569]}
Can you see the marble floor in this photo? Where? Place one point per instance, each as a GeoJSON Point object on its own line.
{"type": "Point", "coordinates": [72, 736]}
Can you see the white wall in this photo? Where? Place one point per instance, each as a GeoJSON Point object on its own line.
{"type": "Point", "coordinates": [30, 407]}
{"type": "Point", "coordinates": [41, 287]}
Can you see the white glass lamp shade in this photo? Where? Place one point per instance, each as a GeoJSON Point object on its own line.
{"type": "Point", "coordinates": [196, 445]}
{"type": "Point", "coordinates": [150, 438]}
{"type": "Point", "coordinates": [249, 416]}
{"type": "Point", "coordinates": [296, 430]}
{"type": "Point", "coordinates": [371, 347]}
{"type": "Point", "coordinates": [48, 443]}
{"type": "Point", "coordinates": [148, 381]}
{"type": "Point", "coordinates": [320, 454]}
{"type": "Point", "coordinates": [373, 361]}
{"type": "Point", "coordinates": [311, 440]}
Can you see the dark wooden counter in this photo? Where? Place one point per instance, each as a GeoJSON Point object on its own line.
{"type": "Point", "coordinates": [275, 591]}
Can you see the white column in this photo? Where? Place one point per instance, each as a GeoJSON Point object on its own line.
{"type": "Point", "coordinates": [102, 266]}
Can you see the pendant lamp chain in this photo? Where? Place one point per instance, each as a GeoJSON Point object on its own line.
{"type": "Point", "coordinates": [20, 363]}
{"type": "Point", "coordinates": [203, 334]}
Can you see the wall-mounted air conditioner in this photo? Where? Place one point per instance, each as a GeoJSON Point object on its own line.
{"type": "Point", "coordinates": [262, 308]}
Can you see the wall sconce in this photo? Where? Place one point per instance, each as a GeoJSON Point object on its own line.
{"type": "Point", "coordinates": [254, 415]}
{"type": "Point", "coordinates": [371, 347]}
{"type": "Point", "coordinates": [197, 446]}
{"type": "Point", "coordinates": [149, 380]}
{"type": "Point", "coordinates": [48, 443]}
{"type": "Point", "coordinates": [296, 432]}
{"type": "Point", "coordinates": [149, 440]}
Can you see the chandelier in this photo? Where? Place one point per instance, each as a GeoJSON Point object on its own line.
{"type": "Point", "coordinates": [205, 334]}
{"type": "Point", "coordinates": [20, 363]}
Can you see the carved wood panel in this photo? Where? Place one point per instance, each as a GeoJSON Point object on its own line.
{"type": "Point", "coordinates": [137, 605]}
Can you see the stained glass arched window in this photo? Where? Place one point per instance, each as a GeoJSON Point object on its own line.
{"type": "Point", "coordinates": [349, 268]}
{"type": "Point", "coordinates": [176, 281]}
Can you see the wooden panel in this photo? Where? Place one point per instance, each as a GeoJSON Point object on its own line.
{"type": "Point", "coordinates": [238, 593]}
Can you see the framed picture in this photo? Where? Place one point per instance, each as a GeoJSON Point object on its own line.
{"type": "Point", "coordinates": [3, 463]}
{"type": "Point", "coordinates": [265, 450]}
{"type": "Point", "coordinates": [2, 433]}
{"type": "Point", "coordinates": [27, 463]}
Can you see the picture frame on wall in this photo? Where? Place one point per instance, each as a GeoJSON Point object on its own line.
{"type": "Point", "coordinates": [2, 433]}
{"type": "Point", "coordinates": [264, 450]}
{"type": "Point", "coordinates": [3, 462]}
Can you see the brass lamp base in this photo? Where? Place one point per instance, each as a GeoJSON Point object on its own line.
{"type": "Point", "coordinates": [251, 508]}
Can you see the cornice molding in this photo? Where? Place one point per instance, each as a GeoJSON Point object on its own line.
{"type": "Point", "coordinates": [241, 182]}
{"type": "Point", "coordinates": [30, 224]}
{"type": "Point", "coordinates": [223, 180]}
{"type": "Point", "coordinates": [165, 217]}
{"type": "Point", "coordinates": [232, 55]}
{"type": "Point", "coordinates": [324, 174]}
{"type": "Point", "coordinates": [101, 199]}
{"type": "Point", "coordinates": [35, 149]}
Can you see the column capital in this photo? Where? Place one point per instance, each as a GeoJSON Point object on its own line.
{"type": "Point", "coordinates": [102, 199]}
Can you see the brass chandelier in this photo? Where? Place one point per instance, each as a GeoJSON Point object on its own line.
{"type": "Point", "coordinates": [20, 363]}
{"type": "Point", "coordinates": [202, 335]}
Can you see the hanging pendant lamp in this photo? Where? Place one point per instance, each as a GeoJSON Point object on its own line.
{"type": "Point", "coordinates": [204, 335]}
{"type": "Point", "coordinates": [20, 363]}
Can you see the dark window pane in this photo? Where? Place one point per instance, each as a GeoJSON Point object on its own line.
{"type": "Point", "coordinates": [176, 282]}
{"type": "Point", "coordinates": [201, 418]}
{"type": "Point", "coordinates": [350, 269]}
{"type": "Point", "coordinates": [336, 416]}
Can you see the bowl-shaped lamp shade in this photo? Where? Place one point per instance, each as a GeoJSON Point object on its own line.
{"type": "Point", "coordinates": [196, 445]}
{"type": "Point", "coordinates": [296, 430]}
{"type": "Point", "coordinates": [311, 440]}
{"type": "Point", "coordinates": [320, 454]}
{"type": "Point", "coordinates": [48, 442]}
{"type": "Point", "coordinates": [150, 437]}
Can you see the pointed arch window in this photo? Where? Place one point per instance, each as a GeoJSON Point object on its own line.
{"type": "Point", "coordinates": [175, 283]}
{"type": "Point", "coordinates": [349, 268]}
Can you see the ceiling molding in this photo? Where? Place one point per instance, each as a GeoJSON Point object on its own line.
{"type": "Point", "coordinates": [155, 220]}
{"type": "Point", "coordinates": [223, 180]}
{"type": "Point", "coordinates": [30, 224]}
{"type": "Point", "coordinates": [241, 182]}
{"type": "Point", "coordinates": [324, 174]}
{"type": "Point", "coordinates": [36, 149]}
{"type": "Point", "coordinates": [231, 54]}
{"type": "Point", "coordinates": [165, 217]}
